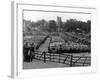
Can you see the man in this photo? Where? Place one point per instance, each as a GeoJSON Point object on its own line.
{"type": "Point", "coordinates": [25, 51]}
{"type": "Point", "coordinates": [32, 52]}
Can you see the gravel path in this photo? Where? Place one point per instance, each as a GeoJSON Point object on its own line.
{"type": "Point", "coordinates": [44, 46]}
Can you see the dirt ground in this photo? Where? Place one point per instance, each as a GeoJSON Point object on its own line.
{"type": "Point", "coordinates": [35, 64]}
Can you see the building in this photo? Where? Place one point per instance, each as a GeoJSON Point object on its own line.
{"type": "Point", "coordinates": [59, 24]}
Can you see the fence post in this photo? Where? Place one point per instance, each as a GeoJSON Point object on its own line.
{"type": "Point", "coordinates": [84, 61]}
{"type": "Point", "coordinates": [71, 59]}
{"type": "Point", "coordinates": [44, 56]}
{"type": "Point", "coordinates": [53, 57]}
{"type": "Point", "coordinates": [59, 57]}
{"type": "Point", "coordinates": [50, 56]}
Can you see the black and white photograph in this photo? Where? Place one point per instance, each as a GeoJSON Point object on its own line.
{"type": "Point", "coordinates": [56, 39]}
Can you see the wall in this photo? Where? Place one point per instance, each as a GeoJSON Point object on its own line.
{"type": "Point", "coordinates": [5, 39]}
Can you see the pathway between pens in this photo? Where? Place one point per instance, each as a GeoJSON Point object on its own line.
{"type": "Point", "coordinates": [44, 46]}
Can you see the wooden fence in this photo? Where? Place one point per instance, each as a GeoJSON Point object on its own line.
{"type": "Point", "coordinates": [65, 58]}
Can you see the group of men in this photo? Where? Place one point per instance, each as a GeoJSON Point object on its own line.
{"type": "Point", "coordinates": [28, 52]}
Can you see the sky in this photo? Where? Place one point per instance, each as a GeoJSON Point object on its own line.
{"type": "Point", "coordinates": [37, 15]}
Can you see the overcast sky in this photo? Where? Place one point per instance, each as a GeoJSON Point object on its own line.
{"type": "Point", "coordinates": [37, 15]}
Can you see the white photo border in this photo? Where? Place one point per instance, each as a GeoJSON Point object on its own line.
{"type": "Point", "coordinates": [17, 54]}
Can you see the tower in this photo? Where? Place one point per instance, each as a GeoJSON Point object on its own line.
{"type": "Point", "coordinates": [59, 24]}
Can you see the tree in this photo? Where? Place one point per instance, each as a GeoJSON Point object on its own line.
{"type": "Point", "coordinates": [70, 25]}
{"type": "Point", "coordinates": [52, 26]}
{"type": "Point", "coordinates": [77, 26]}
